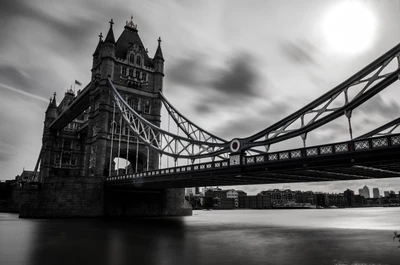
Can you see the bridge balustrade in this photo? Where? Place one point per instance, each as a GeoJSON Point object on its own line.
{"type": "Point", "coordinates": [301, 153]}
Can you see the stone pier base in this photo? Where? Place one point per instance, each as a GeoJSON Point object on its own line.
{"type": "Point", "coordinates": [62, 197]}
{"type": "Point", "coordinates": [144, 202]}
{"type": "Point", "coordinates": [67, 196]}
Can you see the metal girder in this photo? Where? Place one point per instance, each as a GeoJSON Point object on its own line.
{"type": "Point", "coordinates": [388, 127]}
{"type": "Point", "coordinates": [162, 141]}
{"type": "Point", "coordinates": [323, 110]}
{"type": "Point", "coordinates": [191, 130]}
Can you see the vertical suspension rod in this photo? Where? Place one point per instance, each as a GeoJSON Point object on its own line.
{"type": "Point", "coordinates": [112, 139]}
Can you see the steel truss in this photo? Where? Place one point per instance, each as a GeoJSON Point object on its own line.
{"type": "Point", "coordinates": [166, 142]}
{"type": "Point", "coordinates": [370, 81]}
{"type": "Point", "coordinates": [191, 130]}
{"type": "Point", "coordinates": [383, 130]}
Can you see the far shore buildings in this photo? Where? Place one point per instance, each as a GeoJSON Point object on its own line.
{"type": "Point", "coordinates": [286, 198]}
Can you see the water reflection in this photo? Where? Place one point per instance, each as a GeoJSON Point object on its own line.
{"type": "Point", "coordinates": [216, 237]}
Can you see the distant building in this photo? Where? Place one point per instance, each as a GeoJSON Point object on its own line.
{"type": "Point", "coordinates": [361, 192]}
{"type": "Point", "coordinates": [349, 197]}
{"type": "Point", "coordinates": [386, 193]}
{"type": "Point", "coordinates": [376, 193]}
{"type": "Point", "coordinates": [231, 195]}
{"type": "Point", "coordinates": [366, 192]}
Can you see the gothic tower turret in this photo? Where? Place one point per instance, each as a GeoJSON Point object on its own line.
{"type": "Point", "coordinates": [158, 68]}
{"type": "Point", "coordinates": [96, 57]}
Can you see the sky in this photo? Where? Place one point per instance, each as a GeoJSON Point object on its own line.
{"type": "Point", "coordinates": [232, 67]}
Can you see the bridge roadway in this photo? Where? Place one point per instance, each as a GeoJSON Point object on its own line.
{"type": "Point", "coordinates": [357, 159]}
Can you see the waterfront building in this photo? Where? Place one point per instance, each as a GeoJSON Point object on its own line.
{"type": "Point", "coordinates": [366, 192]}
{"type": "Point", "coordinates": [349, 197]}
{"type": "Point", "coordinates": [376, 193]}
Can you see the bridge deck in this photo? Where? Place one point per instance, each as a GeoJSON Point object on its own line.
{"type": "Point", "coordinates": [358, 159]}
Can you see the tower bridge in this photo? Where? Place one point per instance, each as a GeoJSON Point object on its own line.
{"type": "Point", "coordinates": [118, 115]}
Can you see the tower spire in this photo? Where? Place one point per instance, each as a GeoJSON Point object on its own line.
{"type": "Point", "coordinates": [110, 34]}
{"type": "Point", "coordinates": [159, 54]}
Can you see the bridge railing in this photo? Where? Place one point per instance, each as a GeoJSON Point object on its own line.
{"type": "Point", "coordinates": [301, 153]}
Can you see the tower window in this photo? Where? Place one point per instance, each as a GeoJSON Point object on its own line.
{"type": "Point", "coordinates": [144, 76]}
{"type": "Point", "coordinates": [123, 71]}
{"type": "Point", "coordinates": [137, 74]}
{"type": "Point", "coordinates": [133, 103]}
{"type": "Point", "coordinates": [131, 72]}
{"type": "Point", "coordinates": [132, 58]}
{"type": "Point", "coordinates": [138, 60]}
{"type": "Point", "coordinates": [147, 107]}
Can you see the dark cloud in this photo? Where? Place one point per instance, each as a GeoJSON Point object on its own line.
{"type": "Point", "coordinates": [185, 72]}
{"type": "Point", "coordinates": [301, 51]}
{"type": "Point", "coordinates": [201, 108]}
{"type": "Point", "coordinates": [239, 79]}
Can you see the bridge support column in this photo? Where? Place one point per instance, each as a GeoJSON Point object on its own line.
{"type": "Point", "coordinates": [145, 202]}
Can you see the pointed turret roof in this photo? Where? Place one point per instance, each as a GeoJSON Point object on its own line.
{"type": "Point", "coordinates": [159, 54]}
{"type": "Point", "coordinates": [99, 44]}
{"type": "Point", "coordinates": [128, 38]}
{"type": "Point", "coordinates": [110, 35]}
{"type": "Point", "coordinates": [52, 103]}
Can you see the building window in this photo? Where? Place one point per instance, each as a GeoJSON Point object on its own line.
{"type": "Point", "coordinates": [132, 58]}
{"type": "Point", "coordinates": [66, 159]}
{"type": "Point", "coordinates": [56, 144]}
{"type": "Point", "coordinates": [138, 60]}
{"type": "Point", "coordinates": [73, 160]}
{"type": "Point", "coordinates": [144, 76]}
{"type": "Point", "coordinates": [57, 159]}
{"type": "Point", "coordinates": [147, 107]}
{"type": "Point", "coordinates": [67, 144]}
{"type": "Point", "coordinates": [137, 74]}
{"type": "Point", "coordinates": [133, 103]}
{"type": "Point", "coordinates": [124, 71]}
{"type": "Point", "coordinates": [131, 72]}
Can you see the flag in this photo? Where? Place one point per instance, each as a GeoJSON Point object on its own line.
{"type": "Point", "coordinates": [77, 83]}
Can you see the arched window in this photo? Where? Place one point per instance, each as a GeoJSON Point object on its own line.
{"type": "Point", "coordinates": [138, 60]}
{"type": "Point", "coordinates": [132, 58]}
{"type": "Point", "coordinates": [133, 103]}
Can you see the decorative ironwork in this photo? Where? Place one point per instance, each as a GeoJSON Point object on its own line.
{"type": "Point", "coordinates": [260, 159]}
{"type": "Point", "coordinates": [361, 145]}
{"type": "Point", "coordinates": [395, 140]}
{"type": "Point", "coordinates": [272, 157]}
{"type": "Point", "coordinates": [340, 148]}
{"type": "Point", "coordinates": [295, 154]}
{"type": "Point", "coordinates": [381, 142]}
{"type": "Point", "coordinates": [325, 150]}
{"type": "Point", "coordinates": [283, 155]}
{"type": "Point", "coordinates": [312, 151]}
{"type": "Point", "coordinates": [234, 160]}
{"type": "Point", "coordinates": [250, 160]}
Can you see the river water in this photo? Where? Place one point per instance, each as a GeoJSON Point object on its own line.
{"type": "Point", "coordinates": [317, 236]}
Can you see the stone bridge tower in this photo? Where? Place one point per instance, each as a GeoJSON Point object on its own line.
{"type": "Point", "coordinates": [138, 79]}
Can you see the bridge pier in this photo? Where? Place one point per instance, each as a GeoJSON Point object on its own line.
{"type": "Point", "coordinates": [145, 202]}
{"type": "Point", "coordinates": [75, 196]}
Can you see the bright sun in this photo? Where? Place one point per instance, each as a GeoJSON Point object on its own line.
{"type": "Point", "coordinates": [349, 27]}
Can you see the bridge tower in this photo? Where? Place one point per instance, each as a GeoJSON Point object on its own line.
{"type": "Point", "coordinates": [138, 78]}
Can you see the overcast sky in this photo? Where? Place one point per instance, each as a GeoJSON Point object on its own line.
{"type": "Point", "coordinates": [233, 67]}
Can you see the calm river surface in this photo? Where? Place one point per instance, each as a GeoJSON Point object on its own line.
{"type": "Point", "coordinates": [323, 236]}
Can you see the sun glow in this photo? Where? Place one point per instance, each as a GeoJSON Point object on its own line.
{"type": "Point", "coordinates": [349, 27]}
